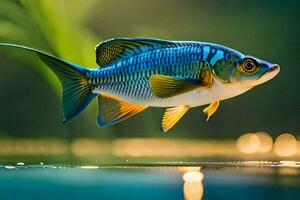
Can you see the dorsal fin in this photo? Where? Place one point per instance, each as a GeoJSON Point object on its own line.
{"type": "Point", "coordinates": [112, 50]}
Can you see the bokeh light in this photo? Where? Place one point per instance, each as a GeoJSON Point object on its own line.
{"type": "Point", "coordinates": [248, 143]}
{"type": "Point", "coordinates": [266, 142]}
{"type": "Point", "coordinates": [259, 142]}
{"type": "Point", "coordinates": [85, 146]}
{"type": "Point", "coordinates": [285, 145]}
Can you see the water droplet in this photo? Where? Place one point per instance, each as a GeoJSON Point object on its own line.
{"type": "Point", "coordinates": [20, 163]}
{"type": "Point", "coordinates": [9, 167]}
{"type": "Point", "coordinates": [89, 167]}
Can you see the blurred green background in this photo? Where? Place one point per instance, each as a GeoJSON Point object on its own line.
{"type": "Point", "coordinates": [30, 94]}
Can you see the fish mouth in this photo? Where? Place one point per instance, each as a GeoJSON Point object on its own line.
{"type": "Point", "coordinates": [274, 68]}
{"type": "Point", "coordinates": [269, 74]}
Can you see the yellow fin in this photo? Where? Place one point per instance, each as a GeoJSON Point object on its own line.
{"type": "Point", "coordinates": [112, 110]}
{"type": "Point", "coordinates": [167, 86]}
{"type": "Point", "coordinates": [172, 116]}
{"type": "Point", "coordinates": [211, 109]}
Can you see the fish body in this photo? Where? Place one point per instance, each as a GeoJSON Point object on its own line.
{"type": "Point", "coordinates": [129, 78]}
{"type": "Point", "coordinates": [139, 72]}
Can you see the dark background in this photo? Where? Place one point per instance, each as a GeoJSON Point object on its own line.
{"type": "Point", "coordinates": [30, 94]}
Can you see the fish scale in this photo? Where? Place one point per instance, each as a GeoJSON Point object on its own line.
{"type": "Point", "coordinates": [181, 62]}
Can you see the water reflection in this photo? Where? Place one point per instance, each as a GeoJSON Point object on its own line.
{"type": "Point", "coordinates": [192, 186]}
{"type": "Point", "coordinates": [278, 180]}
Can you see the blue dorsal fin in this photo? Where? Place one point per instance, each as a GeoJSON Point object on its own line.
{"type": "Point", "coordinates": [115, 49]}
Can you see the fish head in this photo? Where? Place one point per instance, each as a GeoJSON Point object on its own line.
{"type": "Point", "coordinates": [250, 71]}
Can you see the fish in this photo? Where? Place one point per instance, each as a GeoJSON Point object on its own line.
{"type": "Point", "coordinates": [137, 73]}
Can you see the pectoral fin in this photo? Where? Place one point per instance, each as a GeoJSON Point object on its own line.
{"type": "Point", "coordinates": [167, 86]}
{"type": "Point", "coordinates": [211, 109]}
{"type": "Point", "coordinates": [172, 116]}
{"type": "Point", "coordinates": [112, 110]}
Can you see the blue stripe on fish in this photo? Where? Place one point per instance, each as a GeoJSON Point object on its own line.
{"type": "Point", "coordinates": [219, 55]}
{"type": "Point", "coordinates": [206, 50]}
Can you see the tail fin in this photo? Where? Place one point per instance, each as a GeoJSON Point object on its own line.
{"type": "Point", "coordinates": [77, 93]}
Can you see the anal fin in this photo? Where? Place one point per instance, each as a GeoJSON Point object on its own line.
{"type": "Point", "coordinates": [211, 109]}
{"type": "Point", "coordinates": [172, 116]}
{"type": "Point", "coordinates": [112, 110]}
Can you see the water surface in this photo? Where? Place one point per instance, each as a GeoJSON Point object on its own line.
{"type": "Point", "coordinates": [157, 180]}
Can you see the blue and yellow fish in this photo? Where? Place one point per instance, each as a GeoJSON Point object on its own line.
{"type": "Point", "coordinates": [137, 73]}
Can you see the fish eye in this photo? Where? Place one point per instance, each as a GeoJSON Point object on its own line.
{"type": "Point", "coordinates": [248, 66]}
